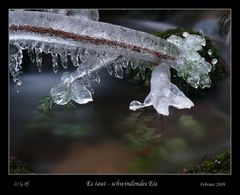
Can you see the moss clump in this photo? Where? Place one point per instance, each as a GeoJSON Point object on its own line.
{"type": "Point", "coordinates": [17, 166]}
{"type": "Point", "coordinates": [215, 75]}
{"type": "Point", "coordinates": [218, 164]}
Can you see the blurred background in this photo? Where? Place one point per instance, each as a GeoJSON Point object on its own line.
{"type": "Point", "coordinates": [104, 136]}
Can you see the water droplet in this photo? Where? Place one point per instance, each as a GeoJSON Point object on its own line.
{"type": "Point", "coordinates": [134, 105]}
{"type": "Point", "coordinates": [185, 34]}
{"type": "Point", "coordinates": [214, 61]}
{"type": "Point", "coordinates": [210, 52]}
{"type": "Point", "coordinates": [18, 82]}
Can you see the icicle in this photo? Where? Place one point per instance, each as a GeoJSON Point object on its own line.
{"type": "Point", "coordinates": [64, 61]}
{"type": "Point", "coordinates": [38, 52]}
{"type": "Point", "coordinates": [74, 58]}
{"type": "Point", "coordinates": [134, 64]}
{"type": "Point", "coordinates": [125, 64]}
{"type": "Point", "coordinates": [15, 63]}
{"type": "Point", "coordinates": [142, 69]}
{"type": "Point", "coordinates": [118, 71]}
{"type": "Point", "coordinates": [31, 54]}
{"type": "Point", "coordinates": [55, 62]}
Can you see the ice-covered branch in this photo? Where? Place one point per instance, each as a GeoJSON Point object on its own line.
{"type": "Point", "coordinates": [93, 45]}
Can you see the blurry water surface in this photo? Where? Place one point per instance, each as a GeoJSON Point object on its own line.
{"type": "Point", "coordinates": [104, 136]}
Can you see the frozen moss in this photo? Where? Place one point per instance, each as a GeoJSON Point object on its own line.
{"type": "Point", "coordinates": [215, 75]}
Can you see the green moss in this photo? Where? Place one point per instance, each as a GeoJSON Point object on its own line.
{"type": "Point", "coordinates": [17, 166]}
{"type": "Point", "coordinates": [218, 164]}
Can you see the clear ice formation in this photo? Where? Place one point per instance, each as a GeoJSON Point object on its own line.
{"type": "Point", "coordinates": [92, 45]}
{"type": "Point", "coordinates": [163, 93]}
